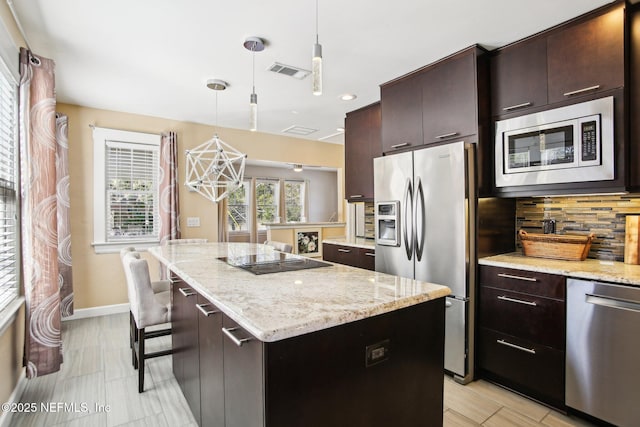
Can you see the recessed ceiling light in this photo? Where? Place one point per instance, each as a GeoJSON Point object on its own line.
{"type": "Point", "coordinates": [348, 97]}
{"type": "Point", "coordinates": [340, 129]}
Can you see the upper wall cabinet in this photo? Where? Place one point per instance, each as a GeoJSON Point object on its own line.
{"type": "Point", "coordinates": [587, 57]}
{"type": "Point", "coordinates": [519, 77]}
{"type": "Point", "coordinates": [401, 108]}
{"type": "Point", "coordinates": [361, 146]}
{"type": "Point", "coordinates": [442, 102]}
{"type": "Point", "coordinates": [579, 59]}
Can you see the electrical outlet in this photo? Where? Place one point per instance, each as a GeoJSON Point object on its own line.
{"type": "Point", "coordinates": [193, 221]}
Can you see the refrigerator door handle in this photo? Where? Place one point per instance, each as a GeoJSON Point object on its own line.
{"type": "Point", "coordinates": [408, 226]}
{"type": "Point", "coordinates": [420, 220]}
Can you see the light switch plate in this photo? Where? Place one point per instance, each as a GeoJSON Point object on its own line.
{"type": "Point", "coordinates": [193, 221]}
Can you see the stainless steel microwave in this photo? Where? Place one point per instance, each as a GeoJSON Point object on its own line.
{"type": "Point", "coordinates": [566, 144]}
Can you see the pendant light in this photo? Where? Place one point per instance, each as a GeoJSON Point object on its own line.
{"type": "Point", "coordinates": [214, 168]}
{"type": "Point", "coordinates": [253, 44]}
{"type": "Point", "coordinates": [316, 62]}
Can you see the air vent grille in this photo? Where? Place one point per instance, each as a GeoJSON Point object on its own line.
{"type": "Point", "coordinates": [288, 70]}
{"type": "Point", "coordinates": [299, 130]}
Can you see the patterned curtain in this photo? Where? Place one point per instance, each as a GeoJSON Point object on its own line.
{"type": "Point", "coordinates": [64, 218]}
{"type": "Point", "coordinates": [39, 213]}
{"type": "Point", "coordinates": [169, 209]}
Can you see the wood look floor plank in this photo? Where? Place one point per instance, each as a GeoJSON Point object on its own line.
{"type": "Point", "coordinates": [506, 417]}
{"type": "Point", "coordinates": [129, 405]}
{"type": "Point", "coordinates": [514, 401]}
{"type": "Point", "coordinates": [467, 402]}
{"type": "Point", "coordinates": [453, 419]}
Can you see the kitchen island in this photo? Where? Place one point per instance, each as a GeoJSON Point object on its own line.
{"type": "Point", "coordinates": [325, 346]}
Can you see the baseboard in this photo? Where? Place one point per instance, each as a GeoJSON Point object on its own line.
{"type": "Point", "coordinates": [5, 417]}
{"type": "Point", "coordinates": [104, 310]}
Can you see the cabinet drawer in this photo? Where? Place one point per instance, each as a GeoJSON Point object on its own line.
{"type": "Point", "coordinates": [340, 254]}
{"type": "Point", "coordinates": [367, 258]}
{"type": "Point", "coordinates": [532, 369]}
{"type": "Point", "coordinates": [534, 318]}
{"type": "Point", "coordinates": [528, 282]}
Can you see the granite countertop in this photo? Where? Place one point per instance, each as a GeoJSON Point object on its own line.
{"type": "Point", "coordinates": [590, 269]}
{"type": "Point", "coordinates": [356, 242]}
{"type": "Point", "coordinates": [277, 306]}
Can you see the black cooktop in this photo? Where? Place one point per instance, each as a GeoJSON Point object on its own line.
{"type": "Point", "coordinates": [275, 262]}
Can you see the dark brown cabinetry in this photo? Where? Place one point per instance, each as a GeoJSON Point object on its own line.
{"type": "Point", "coordinates": [186, 357]}
{"type": "Point", "coordinates": [519, 77]}
{"type": "Point", "coordinates": [361, 145]}
{"type": "Point", "coordinates": [373, 372]}
{"type": "Point", "coordinates": [450, 99]}
{"type": "Point", "coordinates": [401, 109]}
{"type": "Point", "coordinates": [521, 330]}
{"type": "Point", "coordinates": [210, 364]}
{"type": "Point", "coordinates": [442, 102]}
{"type": "Point", "coordinates": [579, 59]}
{"type": "Point", "coordinates": [587, 57]}
{"type": "Point", "coordinates": [349, 255]}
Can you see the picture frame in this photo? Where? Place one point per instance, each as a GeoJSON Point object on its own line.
{"type": "Point", "coordinates": [308, 242]}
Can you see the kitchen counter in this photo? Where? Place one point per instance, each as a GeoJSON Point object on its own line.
{"type": "Point", "coordinates": [282, 305]}
{"type": "Point", "coordinates": [356, 242]}
{"type": "Point", "coordinates": [590, 269]}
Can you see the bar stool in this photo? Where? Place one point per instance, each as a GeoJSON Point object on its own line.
{"type": "Point", "coordinates": [148, 309]}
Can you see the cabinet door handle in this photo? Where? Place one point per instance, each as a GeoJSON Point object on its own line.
{"type": "Point", "coordinates": [186, 292]}
{"type": "Point", "coordinates": [511, 276]}
{"type": "Point", "coordinates": [515, 107]}
{"type": "Point", "coordinates": [583, 90]}
{"type": "Point", "coordinates": [446, 135]}
{"type": "Point", "coordinates": [204, 311]}
{"type": "Point", "coordinates": [356, 196]}
{"type": "Point", "coordinates": [370, 253]}
{"type": "Point", "coordinates": [346, 251]}
{"type": "Point", "coordinates": [517, 347]}
{"type": "Point", "coordinates": [229, 333]}
{"type": "Point", "coordinates": [404, 144]}
{"type": "Point", "coordinates": [519, 301]}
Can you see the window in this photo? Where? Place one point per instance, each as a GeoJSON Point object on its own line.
{"type": "Point", "coordinates": [9, 236]}
{"type": "Point", "coordinates": [126, 167]}
{"type": "Point", "coordinates": [238, 208]}
{"type": "Point", "coordinates": [267, 197]}
{"type": "Point", "coordinates": [294, 201]}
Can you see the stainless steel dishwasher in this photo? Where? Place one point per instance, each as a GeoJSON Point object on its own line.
{"type": "Point", "coordinates": [603, 351]}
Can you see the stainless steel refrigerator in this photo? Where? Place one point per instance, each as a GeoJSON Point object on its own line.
{"type": "Point", "coordinates": [425, 203]}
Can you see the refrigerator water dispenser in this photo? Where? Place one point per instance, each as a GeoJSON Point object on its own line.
{"type": "Point", "coordinates": [388, 223]}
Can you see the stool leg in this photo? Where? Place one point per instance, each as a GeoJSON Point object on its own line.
{"type": "Point", "coordinates": [140, 360]}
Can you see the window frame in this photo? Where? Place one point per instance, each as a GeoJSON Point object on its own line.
{"type": "Point", "coordinates": [303, 198]}
{"type": "Point", "coordinates": [9, 68]}
{"type": "Point", "coordinates": [248, 194]}
{"type": "Point", "coordinates": [101, 139]}
{"type": "Point", "coordinates": [276, 199]}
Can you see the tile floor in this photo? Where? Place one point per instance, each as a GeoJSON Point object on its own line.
{"type": "Point", "coordinates": [99, 387]}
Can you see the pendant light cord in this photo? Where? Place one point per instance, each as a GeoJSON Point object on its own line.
{"type": "Point", "coordinates": [316, 21]}
{"type": "Point", "coordinates": [253, 78]}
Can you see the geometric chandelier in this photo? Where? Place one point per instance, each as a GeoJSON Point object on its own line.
{"type": "Point", "coordinates": [214, 168]}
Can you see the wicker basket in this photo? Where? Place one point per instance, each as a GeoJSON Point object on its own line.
{"type": "Point", "coordinates": [556, 246]}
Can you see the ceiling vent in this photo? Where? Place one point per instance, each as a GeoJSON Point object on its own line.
{"type": "Point", "coordinates": [299, 130]}
{"type": "Point", "coordinates": [289, 70]}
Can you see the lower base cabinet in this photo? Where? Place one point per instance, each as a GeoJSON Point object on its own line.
{"type": "Point", "coordinates": [381, 371]}
{"type": "Point", "coordinates": [350, 255]}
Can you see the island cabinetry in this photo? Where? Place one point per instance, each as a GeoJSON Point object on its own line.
{"type": "Point", "coordinates": [401, 108]}
{"type": "Point", "coordinates": [350, 255]}
{"type": "Point", "coordinates": [210, 345]}
{"type": "Point", "coordinates": [185, 342]}
{"type": "Point", "coordinates": [378, 371]}
{"type": "Point", "coordinates": [361, 145]}
{"type": "Point", "coordinates": [522, 331]}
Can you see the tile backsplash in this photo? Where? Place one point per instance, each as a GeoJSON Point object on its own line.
{"type": "Point", "coordinates": [603, 215]}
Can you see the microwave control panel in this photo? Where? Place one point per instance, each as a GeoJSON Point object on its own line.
{"type": "Point", "coordinates": [589, 140]}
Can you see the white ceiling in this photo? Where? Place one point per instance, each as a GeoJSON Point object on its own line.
{"type": "Point", "coordinates": [153, 57]}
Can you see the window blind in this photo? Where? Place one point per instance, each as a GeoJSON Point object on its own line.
{"type": "Point", "coordinates": [131, 191]}
{"type": "Point", "coordinates": [8, 191]}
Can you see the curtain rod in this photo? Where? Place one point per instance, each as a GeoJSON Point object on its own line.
{"type": "Point", "coordinates": [18, 24]}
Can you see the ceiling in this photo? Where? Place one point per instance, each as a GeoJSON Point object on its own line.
{"type": "Point", "coordinates": [154, 57]}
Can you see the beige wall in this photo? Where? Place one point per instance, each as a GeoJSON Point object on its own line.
{"type": "Point", "coordinates": [11, 351]}
{"type": "Point", "coordinates": [98, 279]}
